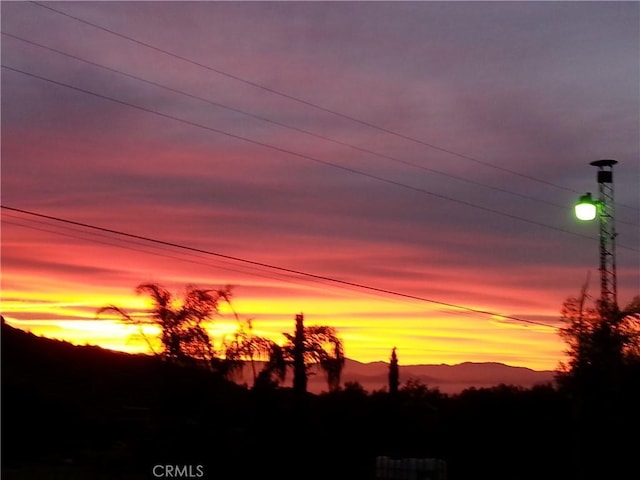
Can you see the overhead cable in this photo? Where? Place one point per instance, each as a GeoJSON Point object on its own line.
{"type": "Point", "coordinates": [304, 156]}
{"type": "Point", "coordinates": [276, 267]}
{"type": "Point", "coordinates": [305, 102]}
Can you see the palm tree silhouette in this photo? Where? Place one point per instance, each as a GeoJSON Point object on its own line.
{"type": "Point", "coordinates": [307, 347]}
{"type": "Point", "coordinates": [182, 322]}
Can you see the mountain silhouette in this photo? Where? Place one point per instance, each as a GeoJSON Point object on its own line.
{"type": "Point", "coordinates": [73, 412]}
{"type": "Point", "coordinates": [26, 349]}
{"type": "Point", "coordinates": [449, 379]}
{"type": "Point", "coordinates": [83, 412]}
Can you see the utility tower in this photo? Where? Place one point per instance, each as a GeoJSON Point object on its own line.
{"type": "Point", "coordinates": [604, 208]}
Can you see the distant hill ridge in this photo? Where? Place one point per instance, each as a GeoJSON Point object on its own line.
{"type": "Point", "coordinates": [372, 376]}
{"type": "Point", "coordinates": [448, 378]}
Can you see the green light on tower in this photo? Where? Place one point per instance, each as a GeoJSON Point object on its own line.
{"type": "Point", "coordinates": [586, 209]}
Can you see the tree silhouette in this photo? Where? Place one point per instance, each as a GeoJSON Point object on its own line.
{"type": "Point", "coordinates": [297, 353]}
{"type": "Point", "coordinates": [246, 345]}
{"type": "Point", "coordinates": [307, 347]}
{"type": "Point", "coordinates": [394, 373]}
{"type": "Point", "coordinates": [601, 343]}
{"type": "Point", "coordinates": [601, 379]}
{"type": "Point", "coordinates": [182, 322]}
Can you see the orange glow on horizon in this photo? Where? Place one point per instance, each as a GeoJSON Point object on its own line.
{"type": "Point", "coordinates": [369, 329]}
{"type": "Point", "coordinates": [62, 303]}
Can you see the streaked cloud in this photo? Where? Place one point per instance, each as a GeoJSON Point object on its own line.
{"type": "Point", "coordinates": [483, 118]}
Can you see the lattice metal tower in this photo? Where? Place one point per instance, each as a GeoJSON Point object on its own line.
{"type": "Point", "coordinates": [606, 220]}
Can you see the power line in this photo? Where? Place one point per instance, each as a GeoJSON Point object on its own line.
{"type": "Point", "coordinates": [306, 102]}
{"type": "Point", "coordinates": [282, 277]}
{"type": "Point", "coordinates": [112, 244]}
{"type": "Point", "coordinates": [290, 127]}
{"type": "Point", "coordinates": [300, 155]}
{"type": "Point", "coordinates": [275, 267]}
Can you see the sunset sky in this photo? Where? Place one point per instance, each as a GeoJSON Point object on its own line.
{"type": "Point", "coordinates": [402, 171]}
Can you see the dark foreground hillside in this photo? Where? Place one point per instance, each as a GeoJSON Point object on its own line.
{"type": "Point", "coordinates": [72, 412]}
